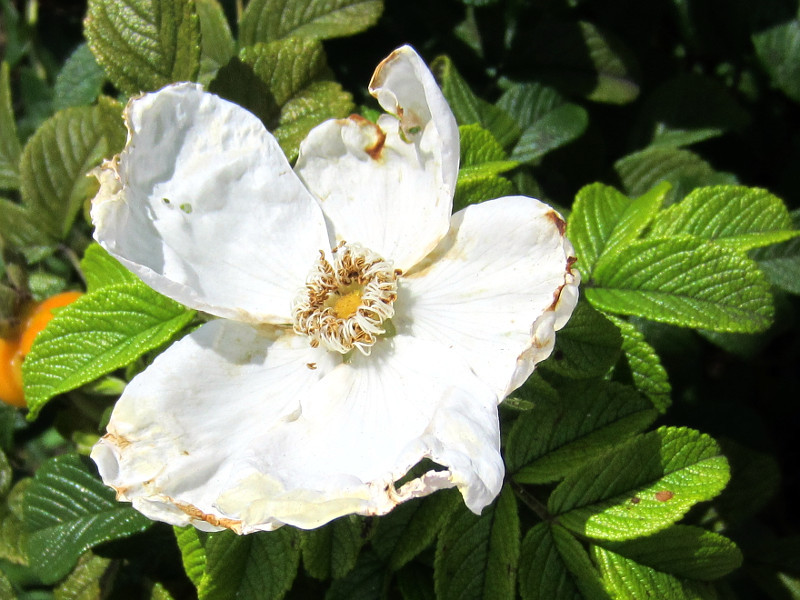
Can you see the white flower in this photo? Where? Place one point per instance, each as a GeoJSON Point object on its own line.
{"type": "Point", "coordinates": [362, 328]}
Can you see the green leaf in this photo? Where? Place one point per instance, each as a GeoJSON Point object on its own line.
{"type": "Point", "coordinates": [259, 566]}
{"type": "Point", "coordinates": [684, 551]}
{"type": "Point", "coordinates": [472, 188]}
{"type": "Point", "coordinates": [468, 108]}
{"type": "Point", "coordinates": [683, 281]}
{"type": "Point", "coordinates": [191, 543]}
{"type": "Point", "coordinates": [332, 551]}
{"type": "Point", "coordinates": [644, 365]}
{"type": "Point", "coordinates": [636, 217]}
{"type": "Point", "coordinates": [555, 437]}
{"type": "Point", "coordinates": [756, 482]}
{"type": "Point", "coordinates": [626, 580]}
{"type": "Point", "coordinates": [13, 533]}
{"type": "Point", "coordinates": [482, 160]}
{"type": "Point", "coordinates": [286, 84]}
{"type": "Point", "coordinates": [415, 582]}
{"type": "Point", "coordinates": [737, 217]}
{"type": "Point", "coordinates": [477, 556]}
{"type": "Point", "coordinates": [19, 230]}
{"type": "Point", "coordinates": [270, 20]}
{"type": "Point", "coordinates": [685, 170]}
{"type": "Point", "coordinates": [527, 103]}
{"type": "Point", "coordinates": [6, 588]}
{"type": "Point", "coordinates": [98, 333]}
{"type": "Point", "coordinates": [100, 269]}
{"type": "Point", "coordinates": [411, 527]}
{"type": "Point", "coordinates": [80, 80]}
{"type": "Point", "coordinates": [10, 150]}
{"type": "Point", "coordinates": [553, 130]}
{"type": "Point", "coordinates": [584, 59]}
{"type": "Point", "coordinates": [84, 583]}
{"type": "Point", "coordinates": [69, 511]}
{"type": "Point", "coordinates": [641, 487]}
{"type": "Point", "coordinates": [554, 566]}
{"type": "Point", "coordinates": [144, 45]}
{"type": "Point", "coordinates": [479, 147]}
{"type": "Point", "coordinates": [588, 346]}
{"type": "Point", "coordinates": [217, 44]}
{"type": "Point", "coordinates": [367, 581]}
{"type": "Point", "coordinates": [58, 157]}
{"type": "Point", "coordinates": [781, 264]}
{"type": "Point", "coordinates": [778, 49]}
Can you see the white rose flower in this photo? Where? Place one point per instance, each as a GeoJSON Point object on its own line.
{"type": "Point", "coordinates": [361, 327]}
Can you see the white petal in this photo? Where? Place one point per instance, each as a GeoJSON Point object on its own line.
{"type": "Point", "coordinates": [389, 186]}
{"type": "Point", "coordinates": [185, 426]}
{"type": "Point", "coordinates": [495, 290]}
{"type": "Point", "coordinates": [212, 433]}
{"type": "Point", "coordinates": [203, 206]}
{"type": "Point", "coordinates": [363, 427]}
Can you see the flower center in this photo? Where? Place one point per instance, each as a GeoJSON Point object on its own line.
{"type": "Point", "coordinates": [346, 301]}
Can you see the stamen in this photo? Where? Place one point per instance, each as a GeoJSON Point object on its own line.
{"type": "Point", "coordinates": [344, 305]}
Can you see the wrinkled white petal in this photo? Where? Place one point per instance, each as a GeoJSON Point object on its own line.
{"type": "Point", "coordinates": [494, 290]}
{"type": "Point", "coordinates": [222, 442]}
{"type": "Point", "coordinates": [388, 186]}
{"type": "Point", "coordinates": [185, 427]}
{"type": "Point", "coordinates": [203, 206]}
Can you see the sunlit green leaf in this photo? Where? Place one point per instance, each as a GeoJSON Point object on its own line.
{"type": "Point", "coordinates": [642, 487]}
{"type": "Point", "coordinates": [101, 269]}
{"type": "Point", "coordinates": [556, 437]}
{"type": "Point", "coordinates": [259, 566]}
{"type": "Point", "coordinates": [69, 511]}
{"type": "Point", "coordinates": [144, 45]}
{"type": "Point", "coordinates": [191, 543]}
{"type": "Point", "coordinates": [683, 281]}
{"type": "Point", "coordinates": [270, 20]}
{"type": "Point", "coordinates": [477, 556]}
{"type": "Point", "coordinates": [96, 334]}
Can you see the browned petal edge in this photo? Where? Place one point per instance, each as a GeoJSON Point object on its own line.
{"type": "Point", "coordinates": [560, 224]}
{"type": "Point", "coordinates": [234, 525]}
{"type": "Point", "coordinates": [377, 76]}
{"type": "Point", "coordinates": [571, 260]}
{"type": "Point", "coordinates": [120, 441]}
{"type": "Point", "coordinates": [374, 150]}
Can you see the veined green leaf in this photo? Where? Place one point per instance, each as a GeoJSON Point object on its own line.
{"type": "Point", "coordinates": [259, 566]}
{"type": "Point", "coordinates": [68, 511]}
{"type": "Point", "coordinates": [636, 217]}
{"type": "Point", "coordinates": [476, 186]}
{"type": "Point", "coordinates": [642, 487]}
{"type": "Point", "coordinates": [527, 103]}
{"type": "Point", "coordinates": [554, 438]}
{"type": "Point", "coordinates": [270, 20]}
{"type": "Point", "coordinates": [80, 80]}
{"type": "Point", "coordinates": [479, 146]}
{"type": "Point", "coordinates": [217, 44]}
{"type": "Point", "coordinates": [286, 84]}
{"type": "Point", "coordinates": [738, 217]}
{"type": "Point", "coordinates": [10, 150]}
{"type": "Point", "coordinates": [477, 556]}
{"type": "Point", "coordinates": [13, 533]}
{"type": "Point", "coordinates": [367, 581]}
{"type": "Point", "coordinates": [683, 281]}
{"type": "Point", "coordinates": [411, 527]}
{"type": "Point", "coordinates": [781, 264]}
{"type": "Point", "coordinates": [482, 161]}
{"type": "Point", "coordinates": [684, 169]}
{"type": "Point", "coordinates": [468, 108]}
{"type": "Point", "coordinates": [777, 49]}
{"type": "Point", "coordinates": [332, 551]}
{"type": "Point", "coordinates": [627, 580]}
{"type": "Point", "coordinates": [554, 566]}
{"type": "Point", "coordinates": [84, 581]}
{"type": "Point", "coordinates": [58, 157]}
{"type": "Point", "coordinates": [646, 370]}
{"type": "Point", "coordinates": [191, 543]}
{"type": "Point", "coordinates": [553, 130]}
{"type": "Point", "coordinates": [684, 551]}
{"type": "Point", "coordinates": [96, 334]}
{"type": "Point", "coordinates": [19, 229]}
{"type": "Point", "coordinates": [588, 346]}
{"type": "Point", "coordinates": [144, 45]}
{"type": "Point", "coordinates": [101, 269]}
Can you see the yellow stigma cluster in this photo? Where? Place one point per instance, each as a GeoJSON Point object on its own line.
{"type": "Point", "coordinates": [345, 301]}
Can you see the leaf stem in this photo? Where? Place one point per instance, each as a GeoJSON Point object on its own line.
{"type": "Point", "coordinates": [531, 502]}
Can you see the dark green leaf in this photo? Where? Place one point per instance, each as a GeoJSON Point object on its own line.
{"type": "Point", "coordinates": [781, 264]}
{"type": "Point", "coordinates": [69, 511]}
{"type": "Point", "coordinates": [270, 20]}
{"type": "Point", "coordinates": [259, 566]}
{"type": "Point", "coordinates": [218, 45]}
{"type": "Point", "coordinates": [683, 281]}
{"type": "Point", "coordinates": [58, 157]}
{"type": "Point", "coordinates": [477, 556]}
{"type": "Point", "coordinates": [96, 334]}
{"type": "Point", "coordinates": [778, 49]}
{"type": "Point", "coordinates": [415, 582]}
{"type": "Point", "coordinates": [332, 551]}
{"type": "Point", "coordinates": [642, 487]}
{"type": "Point", "coordinates": [19, 229]}
{"type": "Point", "coordinates": [84, 583]}
{"type": "Point", "coordinates": [80, 80]}
{"type": "Point", "coordinates": [554, 438]}
{"type": "Point", "coordinates": [554, 129]}
{"type": "Point", "coordinates": [367, 581]}
{"type": "Point", "coordinates": [144, 45]}
{"type": "Point", "coordinates": [9, 142]}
